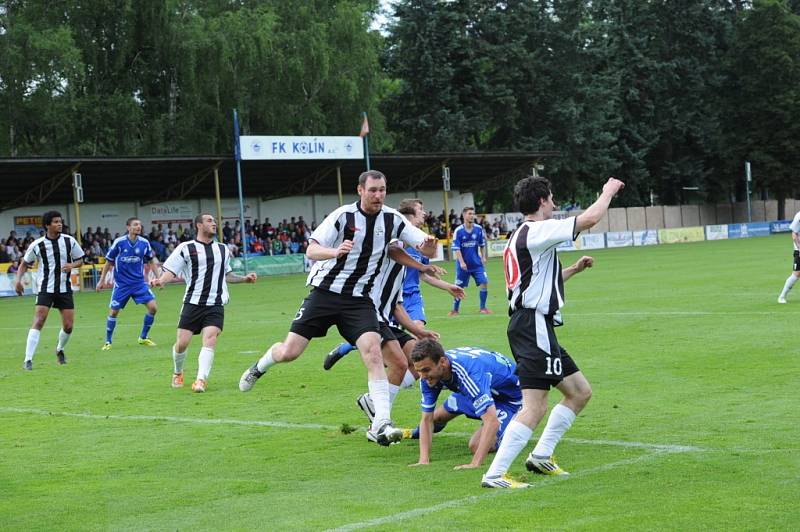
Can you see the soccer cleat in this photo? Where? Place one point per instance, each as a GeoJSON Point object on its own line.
{"type": "Point", "coordinates": [781, 300]}
{"type": "Point", "coordinates": [408, 434]}
{"type": "Point", "coordinates": [333, 357]}
{"type": "Point", "coordinates": [198, 386]}
{"type": "Point", "coordinates": [485, 311]}
{"type": "Point", "coordinates": [147, 341]}
{"type": "Point", "coordinates": [544, 466]}
{"type": "Point", "coordinates": [249, 378]}
{"type": "Point", "coordinates": [61, 357]}
{"type": "Point", "coordinates": [177, 380]}
{"type": "Point", "coordinates": [364, 402]}
{"type": "Point", "coordinates": [28, 365]}
{"type": "Point", "coordinates": [385, 435]}
{"type": "Point", "coordinates": [503, 481]}
{"type": "Point", "coordinates": [453, 313]}
{"type": "Point", "coordinates": [106, 346]}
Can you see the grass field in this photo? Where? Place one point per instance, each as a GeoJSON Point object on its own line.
{"type": "Point", "coordinates": [693, 423]}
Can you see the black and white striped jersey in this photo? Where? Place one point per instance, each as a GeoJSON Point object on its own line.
{"type": "Point", "coordinates": [203, 267]}
{"type": "Point", "coordinates": [52, 255]}
{"type": "Point", "coordinates": [795, 227]}
{"type": "Point", "coordinates": [355, 274]}
{"type": "Point", "coordinates": [388, 291]}
{"type": "Point", "coordinates": [532, 269]}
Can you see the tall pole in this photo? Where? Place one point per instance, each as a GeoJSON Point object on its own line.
{"type": "Point", "coordinates": [238, 156]}
{"type": "Point", "coordinates": [748, 178]}
{"type": "Point", "coordinates": [77, 197]}
{"type": "Point", "coordinates": [339, 184]}
{"type": "Point", "coordinates": [219, 203]}
{"type": "Point", "coordinates": [446, 190]}
{"type": "Point", "coordinates": [365, 135]}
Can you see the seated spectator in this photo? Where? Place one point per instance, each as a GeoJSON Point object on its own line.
{"type": "Point", "coordinates": [277, 247]}
{"type": "Point", "coordinates": [227, 232]}
{"type": "Point", "coordinates": [97, 249]}
{"type": "Point", "coordinates": [89, 256]}
{"type": "Point", "coordinates": [4, 256]}
{"type": "Point", "coordinates": [14, 268]}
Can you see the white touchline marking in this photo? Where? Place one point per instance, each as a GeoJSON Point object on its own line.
{"type": "Point", "coordinates": [248, 352]}
{"type": "Point", "coordinates": [317, 426]}
{"type": "Point", "coordinates": [490, 493]}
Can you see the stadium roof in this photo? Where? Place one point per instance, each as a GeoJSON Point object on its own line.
{"type": "Point", "coordinates": [34, 181]}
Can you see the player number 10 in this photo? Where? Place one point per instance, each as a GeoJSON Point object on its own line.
{"type": "Point", "coordinates": [553, 366]}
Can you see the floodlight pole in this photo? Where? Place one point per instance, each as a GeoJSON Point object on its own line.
{"type": "Point", "coordinates": [238, 156]}
{"type": "Point", "coordinates": [446, 190]}
{"type": "Point", "coordinates": [219, 203]}
{"type": "Point", "coordinates": [748, 178]}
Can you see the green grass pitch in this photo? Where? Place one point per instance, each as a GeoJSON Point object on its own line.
{"type": "Point", "coordinates": [693, 423]}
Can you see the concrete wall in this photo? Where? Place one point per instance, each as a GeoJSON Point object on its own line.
{"type": "Point", "coordinates": [690, 215]}
{"type": "Point", "coordinates": [654, 216]}
{"type": "Point", "coordinates": [617, 219]}
{"type": "Point", "coordinates": [636, 219]}
{"type": "Point", "coordinates": [672, 216]}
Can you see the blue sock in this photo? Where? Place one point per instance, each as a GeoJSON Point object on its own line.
{"type": "Point", "coordinates": [148, 322]}
{"type": "Point", "coordinates": [436, 428]}
{"type": "Point", "coordinates": [456, 304]}
{"type": "Point", "coordinates": [484, 293]}
{"type": "Point", "coordinates": [110, 324]}
{"type": "Point", "coordinates": [345, 348]}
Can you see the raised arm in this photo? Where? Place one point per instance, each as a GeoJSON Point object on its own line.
{"type": "Point", "coordinates": [580, 265]}
{"type": "Point", "coordinates": [589, 218]}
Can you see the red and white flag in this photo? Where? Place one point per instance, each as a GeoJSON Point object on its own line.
{"type": "Point", "coordinates": [364, 128]}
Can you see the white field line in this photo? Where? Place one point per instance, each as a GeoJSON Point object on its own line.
{"type": "Point", "coordinates": [491, 493]}
{"type": "Point", "coordinates": [170, 324]}
{"type": "Point", "coordinates": [315, 426]}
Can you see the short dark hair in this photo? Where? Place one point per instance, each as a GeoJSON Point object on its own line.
{"type": "Point", "coordinates": [199, 219]}
{"type": "Point", "coordinates": [427, 348]}
{"type": "Point", "coordinates": [465, 209]}
{"type": "Point", "coordinates": [47, 218]}
{"type": "Point", "coordinates": [370, 174]}
{"type": "Point", "coordinates": [130, 220]}
{"type": "Point", "coordinates": [529, 192]}
{"type": "Point", "coordinates": [409, 206]}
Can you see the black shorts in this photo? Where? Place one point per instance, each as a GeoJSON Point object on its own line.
{"type": "Point", "coordinates": [321, 309]}
{"type": "Point", "coordinates": [196, 317]}
{"type": "Point", "coordinates": [541, 362]}
{"type": "Point", "coordinates": [796, 263]}
{"type": "Point", "coordinates": [62, 301]}
{"type": "Point", "coordinates": [401, 336]}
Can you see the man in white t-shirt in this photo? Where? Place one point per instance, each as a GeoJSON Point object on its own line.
{"type": "Point", "coordinates": [795, 227]}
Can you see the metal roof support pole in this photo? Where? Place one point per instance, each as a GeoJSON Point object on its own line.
{"type": "Point", "coordinates": [219, 203]}
{"type": "Point", "coordinates": [446, 190]}
{"type": "Point", "coordinates": [339, 184]}
{"type": "Point", "coordinates": [42, 191]}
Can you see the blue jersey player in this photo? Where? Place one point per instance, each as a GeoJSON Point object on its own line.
{"type": "Point", "coordinates": [469, 247]}
{"type": "Point", "coordinates": [484, 385]}
{"type": "Point", "coordinates": [127, 257]}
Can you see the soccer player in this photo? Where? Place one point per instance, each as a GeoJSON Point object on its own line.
{"type": "Point", "coordinates": [535, 283]}
{"type": "Point", "coordinates": [57, 254]}
{"type": "Point", "coordinates": [484, 387]}
{"type": "Point", "coordinates": [414, 211]}
{"type": "Point", "coordinates": [350, 247]}
{"type": "Point", "coordinates": [787, 286]}
{"type": "Point", "coordinates": [469, 246]}
{"type": "Point", "coordinates": [127, 256]}
{"type": "Point", "coordinates": [205, 266]}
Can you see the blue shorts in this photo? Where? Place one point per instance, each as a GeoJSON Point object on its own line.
{"type": "Point", "coordinates": [462, 277]}
{"type": "Point", "coordinates": [141, 294]}
{"type": "Point", "coordinates": [460, 405]}
{"type": "Point", "coordinates": [414, 306]}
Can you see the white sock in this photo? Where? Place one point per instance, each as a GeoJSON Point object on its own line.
{"type": "Point", "coordinates": [514, 440]}
{"type": "Point", "coordinates": [379, 392]}
{"type": "Point", "coordinates": [561, 418]}
{"type": "Point", "coordinates": [204, 362]}
{"type": "Point", "coordinates": [63, 338]}
{"type": "Point", "coordinates": [393, 391]}
{"type": "Point", "coordinates": [265, 361]}
{"type": "Point", "coordinates": [33, 341]}
{"type": "Point", "coordinates": [408, 380]}
{"type": "Point", "coordinates": [788, 285]}
{"type": "Point", "coordinates": [177, 359]}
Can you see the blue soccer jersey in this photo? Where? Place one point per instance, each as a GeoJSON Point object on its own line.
{"type": "Point", "coordinates": [482, 377]}
{"type": "Point", "coordinates": [411, 279]}
{"type": "Point", "coordinates": [469, 244]}
{"type": "Point", "coordinates": [129, 259]}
